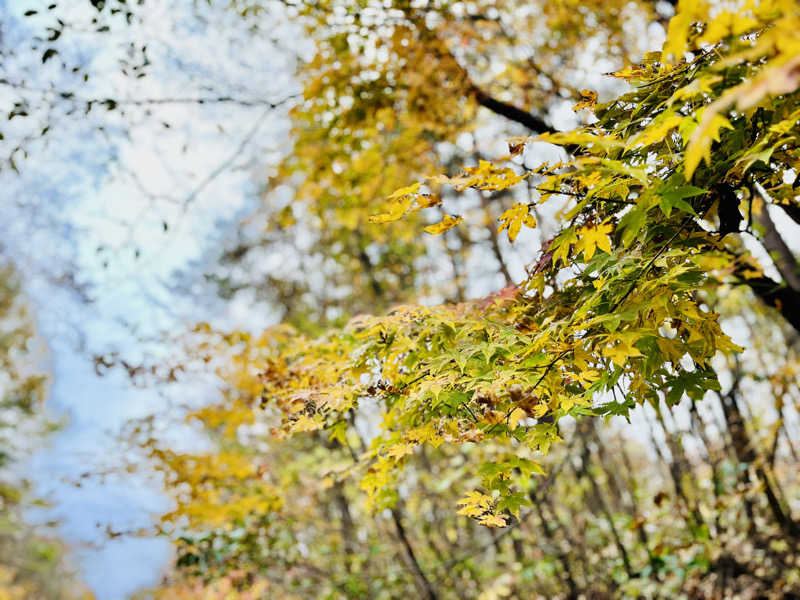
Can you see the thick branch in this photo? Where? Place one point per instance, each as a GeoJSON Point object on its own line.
{"type": "Point", "coordinates": [778, 250]}
{"type": "Point", "coordinates": [792, 211]}
{"type": "Point", "coordinates": [509, 111]}
{"type": "Point", "coordinates": [784, 299]}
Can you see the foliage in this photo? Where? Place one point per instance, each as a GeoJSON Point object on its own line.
{"type": "Point", "coordinates": [389, 94]}
{"type": "Point", "coordinates": [632, 317]}
{"type": "Point", "coordinates": [454, 450]}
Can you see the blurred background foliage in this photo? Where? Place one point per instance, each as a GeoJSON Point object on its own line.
{"type": "Point", "coordinates": [32, 559]}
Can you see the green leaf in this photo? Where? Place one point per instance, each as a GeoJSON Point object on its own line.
{"type": "Point", "coordinates": [675, 198]}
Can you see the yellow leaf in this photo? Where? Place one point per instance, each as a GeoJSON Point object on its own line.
{"type": "Point", "coordinates": [401, 202]}
{"type": "Point", "coordinates": [751, 273]}
{"type": "Point", "coordinates": [306, 423]}
{"type": "Point", "coordinates": [398, 451]}
{"type": "Point", "coordinates": [539, 410]}
{"type": "Point", "coordinates": [515, 417]}
{"type": "Point", "coordinates": [588, 376]}
{"type": "Point", "coordinates": [621, 352]}
{"type": "Point", "coordinates": [706, 133]}
{"type": "Point", "coordinates": [773, 81]}
{"type": "Point", "coordinates": [421, 434]}
{"type": "Point", "coordinates": [514, 218]}
{"type": "Point", "coordinates": [470, 511]}
{"type": "Point", "coordinates": [406, 191]}
{"type": "Point", "coordinates": [589, 99]}
{"type": "Point", "coordinates": [677, 41]}
{"type": "Point", "coordinates": [656, 131]}
{"type": "Point", "coordinates": [591, 238]}
{"type": "Point", "coordinates": [476, 498]}
{"type": "Point", "coordinates": [629, 72]}
{"type": "Point", "coordinates": [447, 223]}
{"type": "Point", "coordinates": [427, 200]}
{"type": "Point", "coordinates": [396, 210]}
{"type": "Point", "coordinates": [562, 248]}
{"type": "Point", "coordinates": [587, 140]}
{"type": "Point", "coordinates": [474, 504]}
{"type": "Point", "coordinates": [492, 520]}
{"type": "Point", "coordinates": [725, 24]}
{"type": "Point", "coordinates": [485, 176]}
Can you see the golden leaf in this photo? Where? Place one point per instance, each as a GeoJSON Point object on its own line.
{"type": "Point", "coordinates": [492, 520]}
{"type": "Point", "coordinates": [591, 238]}
{"type": "Point", "coordinates": [448, 222]}
{"type": "Point", "coordinates": [514, 218]}
{"type": "Point", "coordinates": [589, 99]}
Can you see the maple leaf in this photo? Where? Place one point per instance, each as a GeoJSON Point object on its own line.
{"type": "Point", "coordinates": [705, 134]}
{"type": "Point", "coordinates": [655, 131]}
{"type": "Point", "coordinates": [561, 246]}
{"type": "Point", "coordinates": [620, 353]}
{"type": "Point", "coordinates": [591, 238]}
{"type": "Point", "coordinates": [398, 451]}
{"type": "Point", "coordinates": [513, 502]}
{"type": "Point", "coordinates": [474, 504]}
{"type": "Point", "coordinates": [492, 520]}
{"type": "Point", "coordinates": [514, 218]}
{"type": "Point", "coordinates": [306, 423]}
{"type": "Point", "coordinates": [476, 498]}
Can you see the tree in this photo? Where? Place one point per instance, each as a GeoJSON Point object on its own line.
{"type": "Point", "coordinates": [439, 417]}
{"type": "Point", "coordinates": [387, 95]}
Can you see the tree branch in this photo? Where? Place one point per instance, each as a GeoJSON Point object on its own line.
{"type": "Point", "coordinates": [419, 575]}
{"type": "Point", "coordinates": [783, 299]}
{"type": "Point", "coordinates": [792, 211]}
{"type": "Point", "coordinates": [114, 102]}
{"type": "Point", "coordinates": [780, 253]}
{"type": "Point", "coordinates": [511, 112]}
{"type": "Point", "coordinates": [228, 161]}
